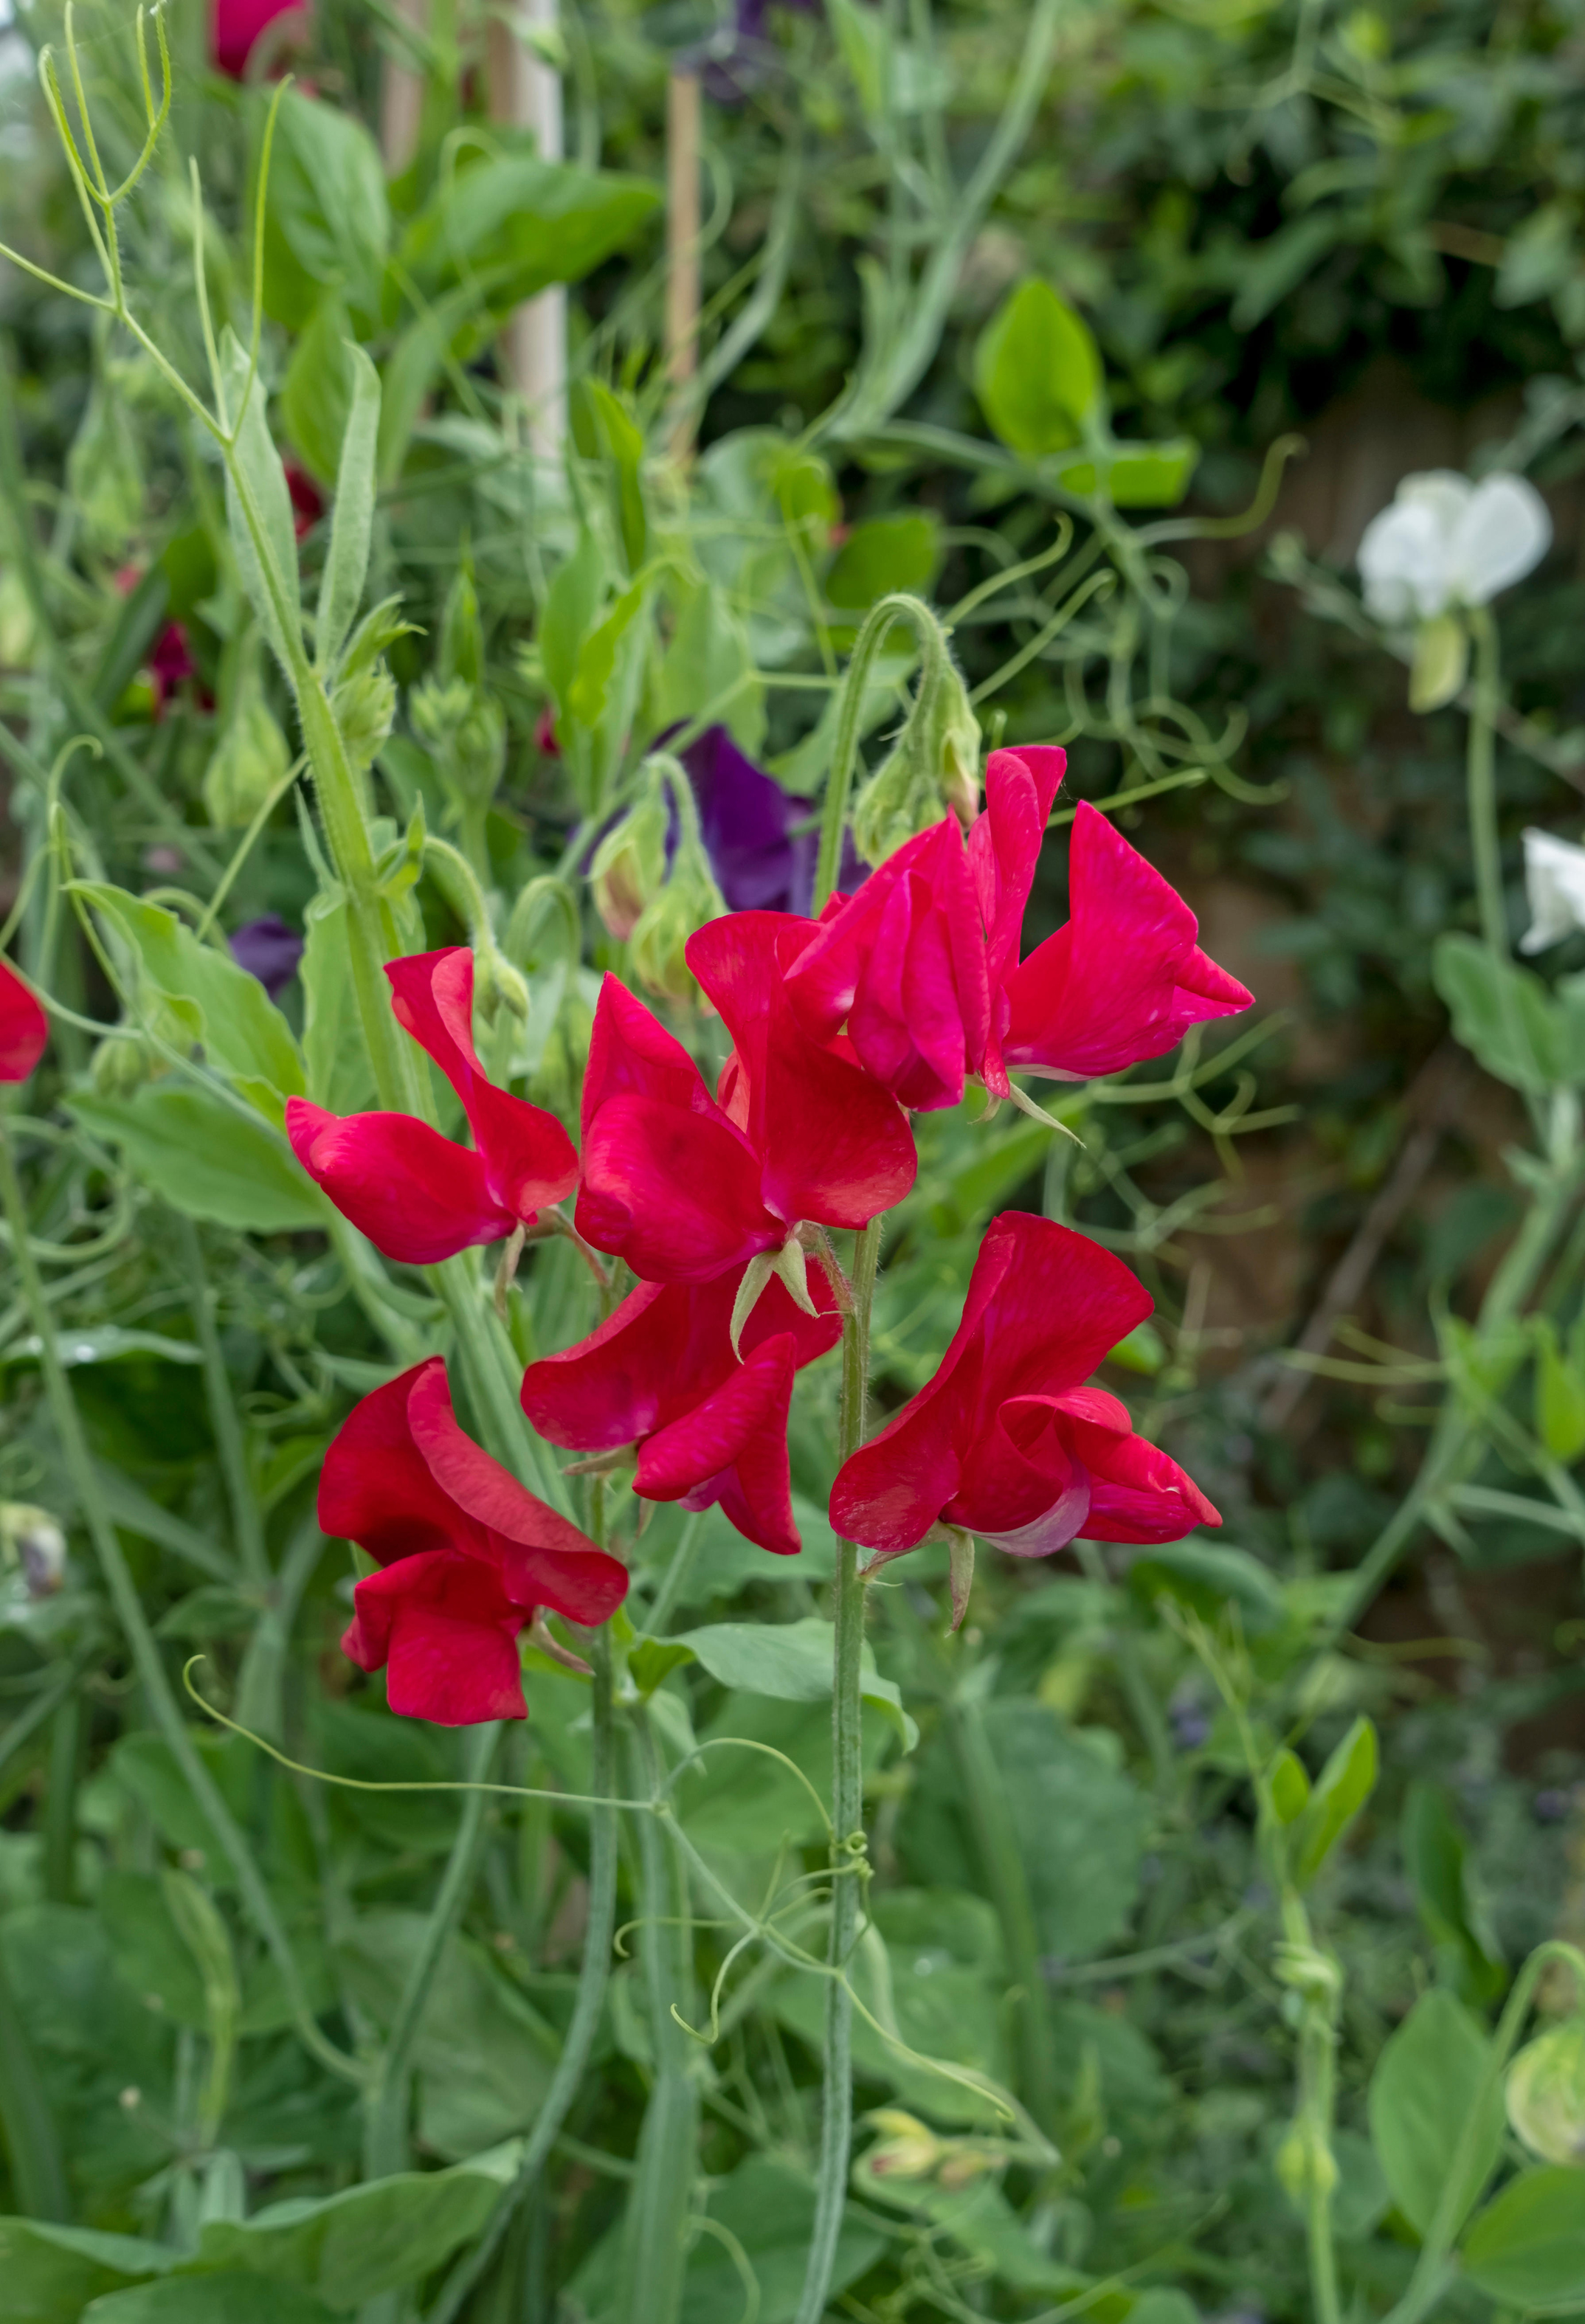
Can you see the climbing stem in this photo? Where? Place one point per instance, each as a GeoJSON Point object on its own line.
{"type": "Point", "coordinates": [849, 1863]}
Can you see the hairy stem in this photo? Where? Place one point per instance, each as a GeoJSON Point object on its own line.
{"type": "Point", "coordinates": [847, 1817]}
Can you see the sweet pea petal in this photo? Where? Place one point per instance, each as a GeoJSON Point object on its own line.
{"type": "Point", "coordinates": [24, 1028]}
{"type": "Point", "coordinates": [544, 1559]}
{"type": "Point", "coordinates": [630, 1054]}
{"type": "Point", "coordinates": [1053, 1305]}
{"type": "Point", "coordinates": [731, 1448]}
{"type": "Point", "coordinates": [416, 1196]}
{"type": "Point", "coordinates": [1137, 1494]}
{"type": "Point", "coordinates": [1124, 980]}
{"type": "Point", "coordinates": [675, 1193]}
{"type": "Point", "coordinates": [446, 1631]}
{"type": "Point", "coordinates": [528, 1158]}
{"type": "Point", "coordinates": [377, 1488]}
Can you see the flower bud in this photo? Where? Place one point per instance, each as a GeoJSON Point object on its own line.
{"type": "Point", "coordinates": [908, 2150]}
{"type": "Point", "coordinates": [497, 985]}
{"type": "Point", "coordinates": [935, 760]}
{"type": "Point", "coordinates": [119, 1066]}
{"type": "Point", "coordinates": [31, 1538]}
{"type": "Point", "coordinates": [1546, 2093]}
{"type": "Point", "coordinates": [249, 760]}
{"type": "Point", "coordinates": [365, 703]}
{"type": "Point", "coordinates": [629, 867]}
{"type": "Point", "coordinates": [465, 728]}
{"type": "Point", "coordinates": [1305, 2162]}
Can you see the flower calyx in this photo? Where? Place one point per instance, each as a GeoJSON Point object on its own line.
{"type": "Point", "coordinates": [790, 1266]}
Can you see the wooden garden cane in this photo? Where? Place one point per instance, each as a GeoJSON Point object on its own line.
{"type": "Point", "coordinates": [401, 96]}
{"type": "Point", "coordinates": [525, 92]}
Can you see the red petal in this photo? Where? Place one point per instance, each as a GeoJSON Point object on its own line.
{"type": "Point", "coordinates": [376, 1488]}
{"type": "Point", "coordinates": [731, 1448]}
{"type": "Point", "coordinates": [1137, 1494]}
{"type": "Point", "coordinates": [24, 1027]}
{"type": "Point", "coordinates": [1004, 848]}
{"type": "Point", "coordinates": [1124, 980]}
{"type": "Point", "coordinates": [834, 1147]}
{"type": "Point", "coordinates": [446, 1630]}
{"type": "Point", "coordinates": [528, 1157]}
{"type": "Point", "coordinates": [630, 1052]}
{"type": "Point", "coordinates": [416, 1195]}
{"type": "Point", "coordinates": [544, 1559]}
{"type": "Point", "coordinates": [676, 1193]}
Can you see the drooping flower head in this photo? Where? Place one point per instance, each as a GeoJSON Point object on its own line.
{"type": "Point", "coordinates": [684, 1185]}
{"type": "Point", "coordinates": [1006, 1442]}
{"type": "Point", "coordinates": [417, 1196]}
{"type": "Point", "coordinates": [660, 1374]}
{"type": "Point", "coordinates": [24, 1027]}
{"type": "Point", "coordinates": [467, 1555]}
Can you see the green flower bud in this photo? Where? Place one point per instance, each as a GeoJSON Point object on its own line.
{"type": "Point", "coordinates": [365, 703]}
{"type": "Point", "coordinates": [1546, 2093]}
{"type": "Point", "coordinates": [934, 761]}
{"type": "Point", "coordinates": [909, 2149]}
{"type": "Point", "coordinates": [250, 759]}
{"type": "Point", "coordinates": [628, 868]}
{"type": "Point", "coordinates": [118, 1066]}
{"type": "Point", "coordinates": [1304, 2161]}
{"type": "Point", "coordinates": [465, 728]}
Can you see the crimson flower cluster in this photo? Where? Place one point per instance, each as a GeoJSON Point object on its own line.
{"type": "Point", "coordinates": [718, 1198]}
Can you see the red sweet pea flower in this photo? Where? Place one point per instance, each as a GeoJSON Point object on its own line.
{"type": "Point", "coordinates": [468, 1555]}
{"type": "Point", "coordinates": [237, 24]}
{"type": "Point", "coordinates": [24, 1028]}
{"type": "Point", "coordinates": [660, 1373]}
{"type": "Point", "coordinates": [922, 968]}
{"type": "Point", "coordinates": [683, 1186]}
{"type": "Point", "coordinates": [417, 1196]}
{"type": "Point", "coordinates": [1006, 1442]}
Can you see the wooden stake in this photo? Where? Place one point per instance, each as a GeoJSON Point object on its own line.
{"type": "Point", "coordinates": [682, 245]}
{"type": "Point", "coordinates": [401, 96]}
{"type": "Point", "coordinates": [526, 93]}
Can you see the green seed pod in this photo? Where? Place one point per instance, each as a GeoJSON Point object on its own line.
{"type": "Point", "coordinates": [1546, 2093]}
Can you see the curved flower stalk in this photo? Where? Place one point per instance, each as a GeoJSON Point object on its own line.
{"type": "Point", "coordinates": [708, 1423]}
{"type": "Point", "coordinates": [1006, 1442]}
{"type": "Point", "coordinates": [417, 1196]}
{"type": "Point", "coordinates": [467, 1556]}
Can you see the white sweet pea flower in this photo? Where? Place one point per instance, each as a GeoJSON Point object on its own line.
{"type": "Point", "coordinates": [1554, 881]}
{"type": "Point", "coordinates": [1446, 544]}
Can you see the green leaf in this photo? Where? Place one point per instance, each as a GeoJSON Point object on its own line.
{"type": "Point", "coordinates": [1501, 1013]}
{"type": "Point", "coordinates": [1278, 264]}
{"type": "Point", "coordinates": [708, 667]}
{"type": "Point", "coordinates": [1527, 2249]}
{"type": "Point", "coordinates": [228, 2299]}
{"type": "Point", "coordinates": [1436, 1860]}
{"type": "Point", "coordinates": [791, 1662]}
{"type": "Point", "coordinates": [372, 2238]}
{"type": "Point", "coordinates": [514, 224]}
{"type": "Point", "coordinates": [1289, 1786]}
{"type": "Point", "coordinates": [652, 1660]}
{"type": "Point", "coordinates": [1560, 1396]}
{"type": "Point", "coordinates": [1208, 1578]}
{"type": "Point", "coordinates": [884, 554]}
{"type": "Point", "coordinates": [149, 1949]}
{"type": "Point", "coordinates": [264, 537]}
{"type": "Point", "coordinates": [605, 431]}
{"type": "Point", "coordinates": [216, 1002]}
{"type": "Point", "coordinates": [206, 1158]}
{"type": "Point", "coordinates": [979, 2219]}
{"type": "Point", "coordinates": [346, 569]}
{"type": "Point", "coordinates": [1341, 1790]}
{"type": "Point", "coordinates": [1156, 476]}
{"type": "Point", "coordinates": [315, 394]}
{"type": "Point", "coordinates": [1037, 371]}
{"type": "Point", "coordinates": [50, 2272]}
{"type": "Point", "coordinates": [339, 1075]}
{"type": "Point", "coordinates": [327, 219]}
{"type": "Point", "coordinates": [768, 2208]}
{"type": "Point", "coordinates": [1424, 2091]}
{"type": "Point", "coordinates": [572, 602]}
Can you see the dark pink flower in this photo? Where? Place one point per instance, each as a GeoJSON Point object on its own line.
{"type": "Point", "coordinates": [684, 1186]}
{"type": "Point", "coordinates": [417, 1196]}
{"type": "Point", "coordinates": [237, 24]}
{"type": "Point", "coordinates": [467, 1555]}
{"type": "Point", "coordinates": [24, 1027]}
{"type": "Point", "coordinates": [660, 1374]}
{"type": "Point", "coordinates": [1006, 1442]}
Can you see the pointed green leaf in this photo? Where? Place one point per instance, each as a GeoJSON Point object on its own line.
{"type": "Point", "coordinates": [347, 567]}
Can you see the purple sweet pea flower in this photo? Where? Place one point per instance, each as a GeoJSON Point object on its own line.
{"type": "Point", "coordinates": [740, 55]}
{"type": "Point", "coordinates": [268, 949]}
{"type": "Point", "coordinates": [762, 841]}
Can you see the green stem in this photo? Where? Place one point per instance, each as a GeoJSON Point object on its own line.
{"type": "Point", "coordinates": [386, 2134]}
{"type": "Point", "coordinates": [655, 2238]}
{"type": "Point", "coordinates": [1316, 2112]}
{"type": "Point", "coordinates": [227, 1430]}
{"type": "Point", "coordinates": [1484, 839]}
{"type": "Point", "coordinates": [38, 2174]}
{"type": "Point", "coordinates": [66, 1747]}
{"type": "Point", "coordinates": [848, 1866]}
{"type": "Point", "coordinates": [587, 2003]}
{"type": "Point", "coordinates": [140, 1638]}
{"type": "Point", "coordinates": [855, 678]}
{"type": "Point", "coordinates": [260, 1683]}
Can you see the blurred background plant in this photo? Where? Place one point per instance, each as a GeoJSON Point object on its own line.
{"type": "Point", "coordinates": [1099, 338]}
